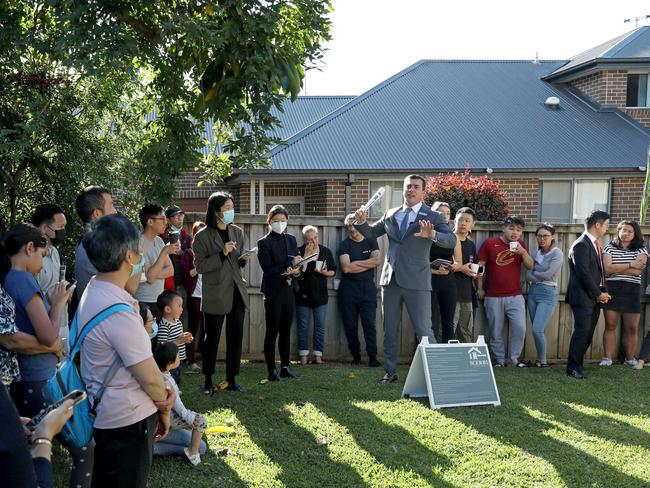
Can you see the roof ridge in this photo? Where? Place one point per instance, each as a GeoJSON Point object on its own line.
{"type": "Point", "coordinates": [344, 108]}
{"type": "Point", "coordinates": [624, 41]}
{"type": "Point", "coordinates": [491, 60]}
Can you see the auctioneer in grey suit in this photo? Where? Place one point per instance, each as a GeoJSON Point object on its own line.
{"type": "Point", "coordinates": [406, 275]}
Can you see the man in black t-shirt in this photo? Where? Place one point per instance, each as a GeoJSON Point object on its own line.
{"type": "Point", "coordinates": [357, 294]}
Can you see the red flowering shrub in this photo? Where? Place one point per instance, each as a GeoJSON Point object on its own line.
{"type": "Point", "coordinates": [481, 193]}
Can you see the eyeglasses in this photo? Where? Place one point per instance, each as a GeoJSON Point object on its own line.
{"type": "Point", "coordinates": [544, 236]}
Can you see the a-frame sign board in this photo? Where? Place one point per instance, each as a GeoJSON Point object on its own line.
{"type": "Point", "coordinates": [452, 375]}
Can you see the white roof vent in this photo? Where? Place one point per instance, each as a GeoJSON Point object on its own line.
{"type": "Point", "coordinates": [552, 102]}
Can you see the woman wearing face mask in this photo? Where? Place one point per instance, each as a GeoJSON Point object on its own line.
{"type": "Point", "coordinates": [277, 252]}
{"type": "Point", "coordinates": [21, 258]}
{"type": "Point", "coordinates": [219, 255]}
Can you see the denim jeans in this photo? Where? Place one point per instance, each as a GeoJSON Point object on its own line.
{"type": "Point", "coordinates": [541, 303]}
{"type": "Point", "coordinates": [174, 443]}
{"type": "Point", "coordinates": [302, 319]}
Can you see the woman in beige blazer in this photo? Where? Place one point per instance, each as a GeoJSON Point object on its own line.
{"type": "Point", "coordinates": [219, 256]}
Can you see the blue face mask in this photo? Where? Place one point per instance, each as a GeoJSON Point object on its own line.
{"type": "Point", "coordinates": [154, 330]}
{"type": "Point", "coordinates": [228, 216]}
{"type": "Point", "coordinates": [137, 268]}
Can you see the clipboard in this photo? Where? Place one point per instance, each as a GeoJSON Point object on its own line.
{"type": "Point", "coordinates": [250, 252]}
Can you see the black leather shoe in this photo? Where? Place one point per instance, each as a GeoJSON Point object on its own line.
{"type": "Point", "coordinates": [576, 374]}
{"type": "Point", "coordinates": [388, 378]}
{"type": "Point", "coordinates": [285, 373]}
{"type": "Point", "coordinates": [232, 386]}
{"type": "Point", "coordinates": [356, 361]}
{"type": "Point", "coordinates": [273, 376]}
{"type": "Point", "coordinates": [373, 363]}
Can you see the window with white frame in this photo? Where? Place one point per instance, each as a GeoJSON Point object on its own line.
{"type": "Point", "coordinates": [568, 201]}
{"type": "Point", "coordinates": [393, 197]}
{"type": "Point", "coordinates": [638, 90]}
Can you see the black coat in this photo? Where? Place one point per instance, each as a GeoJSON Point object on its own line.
{"type": "Point", "coordinates": [274, 261]}
{"type": "Point", "coordinates": [585, 273]}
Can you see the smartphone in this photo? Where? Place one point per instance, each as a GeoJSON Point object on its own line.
{"type": "Point", "coordinates": [62, 270]}
{"type": "Point", "coordinates": [72, 282]}
{"type": "Point", "coordinates": [481, 269]}
{"type": "Point", "coordinates": [77, 395]}
{"type": "Point", "coordinates": [174, 237]}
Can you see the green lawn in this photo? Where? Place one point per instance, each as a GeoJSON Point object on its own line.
{"type": "Point", "coordinates": [334, 427]}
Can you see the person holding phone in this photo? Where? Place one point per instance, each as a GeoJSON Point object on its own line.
{"type": "Point", "coordinates": [21, 256]}
{"type": "Point", "coordinates": [311, 297]}
{"type": "Point", "coordinates": [218, 248]}
{"type": "Point", "coordinates": [444, 294]}
{"type": "Point", "coordinates": [465, 274]}
{"type": "Point", "coordinates": [542, 294]}
{"type": "Point", "coordinates": [277, 252]}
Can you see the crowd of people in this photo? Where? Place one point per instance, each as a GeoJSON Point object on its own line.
{"type": "Point", "coordinates": [180, 287]}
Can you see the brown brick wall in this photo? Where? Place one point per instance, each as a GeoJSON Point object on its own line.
{"type": "Point", "coordinates": [626, 196]}
{"type": "Point", "coordinates": [523, 196]}
{"type": "Point", "coordinates": [610, 88]}
{"type": "Point", "coordinates": [605, 87]}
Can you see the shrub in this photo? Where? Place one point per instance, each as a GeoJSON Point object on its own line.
{"type": "Point", "coordinates": [481, 193]}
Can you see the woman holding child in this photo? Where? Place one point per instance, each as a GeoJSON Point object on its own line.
{"type": "Point", "coordinates": [219, 255]}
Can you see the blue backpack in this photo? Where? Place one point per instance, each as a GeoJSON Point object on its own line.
{"type": "Point", "coordinates": [78, 430]}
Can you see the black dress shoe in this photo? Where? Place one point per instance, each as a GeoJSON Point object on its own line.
{"type": "Point", "coordinates": [356, 361]}
{"type": "Point", "coordinates": [373, 363]}
{"type": "Point", "coordinates": [232, 386]}
{"type": "Point", "coordinates": [273, 376]}
{"type": "Point", "coordinates": [576, 374]}
{"type": "Point", "coordinates": [285, 373]}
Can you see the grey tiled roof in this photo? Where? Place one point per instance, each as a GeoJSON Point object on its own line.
{"type": "Point", "coordinates": [452, 114]}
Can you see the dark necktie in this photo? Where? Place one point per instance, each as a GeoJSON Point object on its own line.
{"type": "Point", "coordinates": [600, 262]}
{"type": "Point", "coordinates": [405, 222]}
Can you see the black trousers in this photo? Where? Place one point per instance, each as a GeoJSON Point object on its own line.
{"type": "Point", "coordinates": [357, 299]}
{"type": "Point", "coordinates": [443, 305]}
{"type": "Point", "coordinates": [278, 312]}
{"type": "Point", "coordinates": [123, 455]}
{"type": "Point", "coordinates": [194, 327]}
{"type": "Point", "coordinates": [645, 348]}
{"type": "Point", "coordinates": [585, 319]}
{"type": "Point", "coordinates": [234, 334]}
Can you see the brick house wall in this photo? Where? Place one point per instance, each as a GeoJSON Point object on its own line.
{"type": "Point", "coordinates": [626, 196]}
{"type": "Point", "coordinates": [610, 88]}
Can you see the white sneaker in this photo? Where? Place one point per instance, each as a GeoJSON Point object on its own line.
{"type": "Point", "coordinates": [195, 459]}
{"type": "Point", "coordinates": [639, 364]}
{"type": "Point", "coordinates": [631, 363]}
{"type": "Point", "coordinates": [605, 362]}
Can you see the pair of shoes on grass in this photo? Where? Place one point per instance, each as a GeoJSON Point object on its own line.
{"type": "Point", "coordinates": [605, 362]}
{"type": "Point", "coordinates": [539, 364]}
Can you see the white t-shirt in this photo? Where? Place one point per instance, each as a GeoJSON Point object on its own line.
{"type": "Point", "coordinates": [198, 289]}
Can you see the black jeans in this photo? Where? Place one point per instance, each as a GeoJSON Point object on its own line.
{"type": "Point", "coordinates": [443, 305]}
{"type": "Point", "coordinates": [585, 319]}
{"type": "Point", "coordinates": [123, 455]}
{"type": "Point", "coordinates": [357, 299]}
{"type": "Point", "coordinates": [278, 311]}
{"type": "Point", "coordinates": [234, 335]}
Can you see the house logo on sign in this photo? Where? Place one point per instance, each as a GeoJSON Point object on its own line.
{"type": "Point", "coordinates": [476, 357]}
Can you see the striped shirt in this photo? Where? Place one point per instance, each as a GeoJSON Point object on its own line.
{"type": "Point", "coordinates": [170, 331]}
{"type": "Point", "coordinates": [623, 256]}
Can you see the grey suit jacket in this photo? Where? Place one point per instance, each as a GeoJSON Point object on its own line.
{"type": "Point", "coordinates": [219, 278]}
{"type": "Point", "coordinates": [408, 257]}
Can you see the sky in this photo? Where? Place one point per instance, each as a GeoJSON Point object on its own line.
{"type": "Point", "coordinates": [374, 39]}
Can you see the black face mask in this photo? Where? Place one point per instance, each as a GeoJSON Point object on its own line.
{"type": "Point", "coordinates": [59, 236]}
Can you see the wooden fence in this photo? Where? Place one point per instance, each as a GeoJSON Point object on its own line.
{"type": "Point", "coordinates": [332, 232]}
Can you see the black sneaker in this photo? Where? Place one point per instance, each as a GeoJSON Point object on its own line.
{"type": "Point", "coordinates": [273, 376]}
{"type": "Point", "coordinates": [373, 363]}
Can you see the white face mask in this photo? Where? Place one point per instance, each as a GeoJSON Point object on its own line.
{"type": "Point", "coordinates": [278, 227]}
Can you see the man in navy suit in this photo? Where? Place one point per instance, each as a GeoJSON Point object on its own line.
{"type": "Point", "coordinates": [586, 291]}
{"type": "Point", "coordinates": [406, 275]}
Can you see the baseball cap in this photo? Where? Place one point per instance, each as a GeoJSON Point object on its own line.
{"type": "Point", "coordinates": [173, 210]}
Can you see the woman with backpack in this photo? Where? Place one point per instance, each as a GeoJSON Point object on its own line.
{"type": "Point", "coordinates": [21, 258]}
